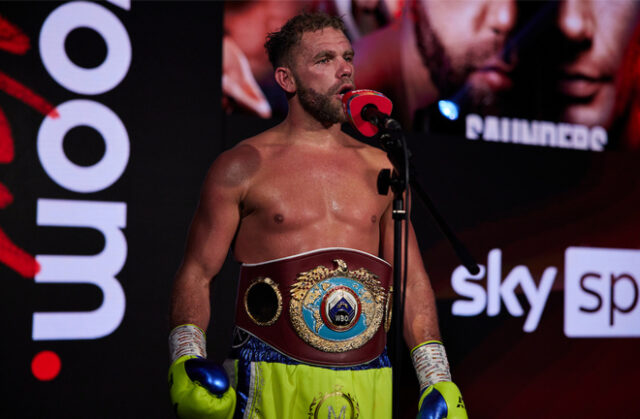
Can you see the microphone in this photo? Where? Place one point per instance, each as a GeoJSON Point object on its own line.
{"type": "Point", "coordinates": [367, 110]}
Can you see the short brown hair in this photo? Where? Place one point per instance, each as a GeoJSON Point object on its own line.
{"type": "Point", "coordinates": [279, 44]}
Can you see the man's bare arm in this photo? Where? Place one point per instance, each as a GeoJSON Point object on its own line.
{"type": "Point", "coordinates": [438, 393]}
{"type": "Point", "coordinates": [420, 317]}
{"type": "Point", "coordinates": [211, 233]}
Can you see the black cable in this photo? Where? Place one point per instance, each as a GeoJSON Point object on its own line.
{"type": "Point", "coordinates": [407, 216]}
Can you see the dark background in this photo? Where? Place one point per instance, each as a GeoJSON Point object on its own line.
{"type": "Point", "coordinates": [530, 202]}
{"type": "Point", "coordinates": [170, 104]}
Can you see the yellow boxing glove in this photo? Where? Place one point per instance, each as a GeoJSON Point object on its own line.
{"type": "Point", "coordinates": [440, 398]}
{"type": "Point", "coordinates": [199, 388]}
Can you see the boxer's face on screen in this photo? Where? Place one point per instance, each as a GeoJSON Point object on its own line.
{"type": "Point", "coordinates": [593, 35]}
{"type": "Point", "coordinates": [323, 69]}
{"type": "Point", "coordinates": [462, 43]}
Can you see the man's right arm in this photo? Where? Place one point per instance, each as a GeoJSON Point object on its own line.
{"type": "Point", "coordinates": [210, 235]}
{"type": "Point", "coordinates": [200, 388]}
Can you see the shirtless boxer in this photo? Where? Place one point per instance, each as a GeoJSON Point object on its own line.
{"type": "Point", "coordinates": [300, 206]}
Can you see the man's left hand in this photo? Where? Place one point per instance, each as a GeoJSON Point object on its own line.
{"type": "Point", "coordinates": [441, 400]}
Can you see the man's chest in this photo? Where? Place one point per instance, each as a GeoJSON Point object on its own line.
{"type": "Point", "coordinates": [303, 192]}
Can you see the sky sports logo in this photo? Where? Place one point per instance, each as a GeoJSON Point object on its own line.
{"type": "Point", "coordinates": [601, 292]}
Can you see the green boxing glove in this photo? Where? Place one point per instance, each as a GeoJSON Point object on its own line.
{"type": "Point", "coordinates": [199, 388]}
{"type": "Point", "coordinates": [439, 397]}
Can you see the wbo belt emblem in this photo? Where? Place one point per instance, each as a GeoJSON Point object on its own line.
{"type": "Point", "coordinates": [340, 308]}
{"type": "Point", "coordinates": [336, 310]}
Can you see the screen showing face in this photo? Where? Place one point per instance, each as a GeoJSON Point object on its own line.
{"type": "Point", "coordinates": [523, 118]}
{"type": "Point", "coordinates": [571, 62]}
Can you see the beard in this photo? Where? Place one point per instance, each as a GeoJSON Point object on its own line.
{"type": "Point", "coordinates": [322, 107]}
{"type": "Point", "coordinates": [450, 74]}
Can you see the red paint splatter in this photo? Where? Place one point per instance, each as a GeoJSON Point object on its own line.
{"type": "Point", "coordinates": [6, 141]}
{"type": "Point", "coordinates": [26, 95]}
{"type": "Point", "coordinates": [12, 39]}
{"type": "Point", "coordinates": [6, 198]}
{"type": "Point", "coordinates": [16, 258]}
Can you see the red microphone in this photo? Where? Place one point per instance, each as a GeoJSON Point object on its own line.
{"type": "Point", "coordinates": [363, 106]}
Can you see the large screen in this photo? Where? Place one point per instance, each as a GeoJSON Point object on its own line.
{"type": "Point", "coordinates": [546, 73]}
{"type": "Point", "coordinates": [522, 117]}
{"type": "Point", "coordinates": [109, 119]}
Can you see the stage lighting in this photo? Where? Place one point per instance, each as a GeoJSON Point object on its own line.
{"type": "Point", "coordinates": [449, 109]}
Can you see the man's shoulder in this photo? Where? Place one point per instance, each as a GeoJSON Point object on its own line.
{"type": "Point", "coordinates": [262, 143]}
{"type": "Point", "coordinates": [234, 167]}
{"type": "Point", "coordinates": [239, 164]}
{"type": "Point", "coordinates": [374, 155]}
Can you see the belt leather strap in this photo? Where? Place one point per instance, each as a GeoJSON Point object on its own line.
{"type": "Point", "coordinates": [326, 307]}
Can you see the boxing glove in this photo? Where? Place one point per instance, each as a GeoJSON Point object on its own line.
{"type": "Point", "coordinates": [199, 388]}
{"type": "Point", "coordinates": [440, 398]}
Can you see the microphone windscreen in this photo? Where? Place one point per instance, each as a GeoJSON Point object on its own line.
{"type": "Point", "coordinates": [355, 100]}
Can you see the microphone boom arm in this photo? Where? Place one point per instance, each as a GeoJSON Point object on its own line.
{"type": "Point", "coordinates": [391, 141]}
{"type": "Point", "coordinates": [368, 111]}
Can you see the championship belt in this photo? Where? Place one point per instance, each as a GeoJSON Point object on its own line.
{"type": "Point", "coordinates": [325, 307]}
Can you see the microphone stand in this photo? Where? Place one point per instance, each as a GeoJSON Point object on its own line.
{"type": "Point", "coordinates": [397, 181]}
{"type": "Point", "coordinates": [393, 142]}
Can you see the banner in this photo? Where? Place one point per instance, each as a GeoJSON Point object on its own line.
{"type": "Point", "coordinates": [523, 128]}
{"type": "Point", "coordinates": [109, 119]}
{"type": "Point", "coordinates": [522, 119]}
{"type": "Point", "coordinates": [545, 73]}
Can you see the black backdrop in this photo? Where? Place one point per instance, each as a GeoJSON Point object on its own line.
{"type": "Point", "coordinates": [169, 104]}
{"type": "Point", "coordinates": [532, 203]}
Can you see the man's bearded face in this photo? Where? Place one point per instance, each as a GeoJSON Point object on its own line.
{"type": "Point", "coordinates": [323, 107]}
{"type": "Point", "coordinates": [465, 59]}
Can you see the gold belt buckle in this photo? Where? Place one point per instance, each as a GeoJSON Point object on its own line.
{"type": "Point", "coordinates": [336, 310]}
